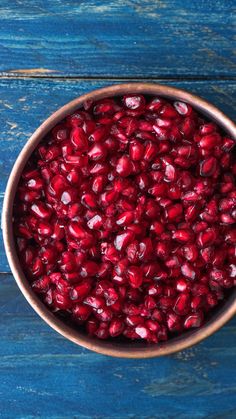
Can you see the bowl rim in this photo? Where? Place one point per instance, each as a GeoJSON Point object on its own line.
{"type": "Point", "coordinates": [132, 350]}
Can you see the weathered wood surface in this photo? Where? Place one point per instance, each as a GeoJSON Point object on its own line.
{"type": "Point", "coordinates": [50, 52]}
{"type": "Point", "coordinates": [119, 38]}
{"type": "Point", "coordinates": [44, 376]}
{"type": "Point", "coordinates": [24, 104]}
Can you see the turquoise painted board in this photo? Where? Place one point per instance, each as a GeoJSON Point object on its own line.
{"type": "Point", "coordinates": [120, 38]}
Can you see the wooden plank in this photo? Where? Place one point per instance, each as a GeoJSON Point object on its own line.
{"type": "Point", "coordinates": [120, 38]}
{"type": "Point", "coordinates": [24, 104]}
{"type": "Point", "coordinates": [43, 375]}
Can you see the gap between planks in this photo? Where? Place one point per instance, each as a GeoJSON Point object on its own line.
{"type": "Point", "coordinates": [47, 75]}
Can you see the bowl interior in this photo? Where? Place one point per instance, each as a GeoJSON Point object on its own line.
{"type": "Point", "coordinates": [117, 347]}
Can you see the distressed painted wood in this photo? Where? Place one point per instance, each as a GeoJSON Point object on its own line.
{"type": "Point", "coordinates": [50, 52]}
{"type": "Point", "coordinates": [44, 376]}
{"type": "Point", "coordinates": [120, 38]}
{"type": "Point", "coordinates": [24, 104]}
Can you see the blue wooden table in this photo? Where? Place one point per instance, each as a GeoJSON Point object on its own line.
{"type": "Point", "coordinates": [50, 52]}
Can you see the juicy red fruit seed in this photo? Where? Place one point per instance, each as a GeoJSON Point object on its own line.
{"type": "Point", "coordinates": [125, 218]}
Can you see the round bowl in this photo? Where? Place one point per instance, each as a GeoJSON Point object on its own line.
{"type": "Point", "coordinates": [119, 349]}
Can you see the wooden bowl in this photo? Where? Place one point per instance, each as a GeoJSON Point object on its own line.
{"type": "Point", "coordinates": [119, 349]}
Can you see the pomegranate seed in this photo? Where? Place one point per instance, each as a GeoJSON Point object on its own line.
{"type": "Point", "coordinates": [183, 108]}
{"type": "Point", "coordinates": [99, 134]}
{"type": "Point", "coordinates": [174, 322]}
{"type": "Point", "coordinates": [116, 327]}
{"type": "Point", "coordinates": [208, 166]}
{"type": "Point", "coordinates": [81, 312]}
{"type": "Point", "coordinates": [210, 141]}
{"type": "Point", "coordinates": [193, 320]}
{"type": "Point", "coordinates": [134, 102]}
{"type": "Point", "coordinates": [79, 138]}
{"type": "Point", "coordinates": [41, 210]}
{"type": "Point", "coordinates": [182, 285]}
{"type": "Point", "coordinates": [123, 239]}
{"type": "Point", "coordinates": [136, 151]}
{"type": "Point", "coordinates": [190, 252]}
{"type": "Point", "coordinates": [142, 332]}
{"type": "Point", "coordinates": [182, 304]}
{"type": "Point", "coordinates": [97, 152]}
{"type": "Point", "coordinates": [183, 235]}
{"type": "Point", "coordinates": [95, 302]}
{"type": "Point", "coordinates": [174, 212]}
{"type": "Point", "coordinates": [207, 237]}
{"type": "Point", "coordinates": [135, 276]}
{"type": "Point", "coordinates": [124, 166]}
{"type": "Point", "coordinates": [188, 271]}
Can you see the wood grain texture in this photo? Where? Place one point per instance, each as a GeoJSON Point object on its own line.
{"type": "Point", "coordinates": [45, 376]}
{"type": "Point", "coordinates": [24, 104]}
{"type": "Point", "coordinates": [44, 45]}
{"type": "Point", "coordinates": [120, 38]}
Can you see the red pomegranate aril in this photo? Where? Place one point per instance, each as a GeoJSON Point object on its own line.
{"type": "Point", "coordinates": [88, 269]}
{"type": "Point", "coordinates": [68, 262]}
{"type": "Point", "coordinates": [98, 183]}
{"type": "Point", "coordinates": [102, 332]}
{"type": "Point", "coordinates": [188, 271]}
{"type": "Point", "coordinates": [97, 152]}
{"type": "Point", "coordinates": [79, 139]}
{"type": "Point", "coordinates": [134, 102]}
{"type": "Point", "coordinates": [210, 141]}
{"type": "Point", "coordinates": [182, 285]}
{"type": "Point", "coordinates": [125, 218]}
{"type": "Point", "coordinates": [135, 276]}
{"type": "Point", "coordinates": [95, 302]}
{"type": "Point", "coordinates": [168, 111]}
{"type": "Point", "coordinates": [207, 128]}
{"type": "Point", "coordinates": [48, 255]}
{"type": "Point", "coordinates": [95, 223]}
{"type": "Point", "coordinates": [81, 312]}
{"type": "Point", "coordinates": [116, 327]}
{"type": "Point", "coordinates": [227, 219]}
{"type": "Point", "coordinates": [174, 212]}
{"type": "Point", "coordinates": [142, 331]}
{"type": "Point", "coordinates": [150, 151]}
{"type": "Point", "coordinates": [104, 314]}
{"type": "Point", "coordinates": [183, 108]}
{"type": "Point", "coordinates": [89, 200]}
{"type": "Point", "coordinates": [183, 235]}
{"type": "Point", "coordinates": [41, 210]}
{"type": "Point", "coordinates": [182, 304]}
{"type": "Point", "coordinates": [190, 252]}
{"type": "Point", "coordinates": [208, 166]}
{"type": "Point", "coordinates": [174, 322]}
{"type": "Point", "coordinates": [206, 237]}
{"type": "Point", "coordinates": [136, 150]}
{"type": "Point", "coordinates": [37, 268]}
{"type": "Point", "coordinates": [124, 166]}
{"type": "Point", "coordinates": [61, 301]}
{"type": "Point", "coordinates": [162, 250]}
{"type": "Point", "coordinates": [35, 184]}
{"type": "Point", "coordinates": [228, 144]}
{"type": "Point", "coordinates": [123, 239]}
{"type": "Point", "coordinates": [41, 285]}
{"type": "Point", "coordinates": [193, 320]}
{"type": "Point", "coordinates": [99, 134]}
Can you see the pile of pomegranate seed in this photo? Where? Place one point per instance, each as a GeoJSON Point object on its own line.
{"type": "Point", "coordinates": [125, 217]}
